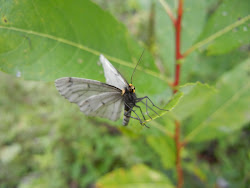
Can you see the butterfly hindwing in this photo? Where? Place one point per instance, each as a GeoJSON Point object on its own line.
{"type": "Point", "coordinates": [106, 105]}
{"type": "Point", "coordinates": [93, 97]}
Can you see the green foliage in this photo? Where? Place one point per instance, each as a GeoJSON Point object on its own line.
{"type": "Point", "coordinates": [139, 176]}
{"type": "Point", "coordinates": [54, 140]}
{"type": "Point", "coordinates": [193, 21]}
{"type": "Point", "coordinates": [163, 145]}
{"type": "Point", "coordinates": [236, 167]}
{"type": "Point", "coordinates": [47, 142]}
{"type": "Point", "coordinates": [228, 159]}
{"type": "Point", "coordinates": [72, 35]}
{"type": "Point", "coordinates": [232, 96]}
{"type": "Point", "coordinates": [192, 93]}
{"type": "Point", "coordinates": [232, 17]}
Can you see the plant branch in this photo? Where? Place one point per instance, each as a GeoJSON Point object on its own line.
{"type": "Point", "coordinates": [167, 9]}
{"type": "Point", "coordinates": [178, 57]}
{"type": "Point", "coordinates": [178, 54]}
{"type": "Point", "coordinates": [178, 154]}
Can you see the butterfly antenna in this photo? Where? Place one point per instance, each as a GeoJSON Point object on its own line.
{"type": "Point", "coordinates": [136, 65]}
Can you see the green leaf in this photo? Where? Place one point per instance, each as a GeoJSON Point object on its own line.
{"type": "Point", "coordinates": [189, 100]}
{"type": "Point", "coordinates": [169, 106]}
{"type": "Point", "coordinates": [194, 17]}
{"type": "Point", "coordinates": [8, 153]}
{"type": "Point", "coordinates": [165, 148]}
{"type": "Point", "coordinates": [139, 176]}
{"type": "Point", "coordinates": [195, 170]}
{"type": "Point", "coordinates": [65, 38]}
{"type": "Point", "coordinates": [194, 96]}
{"type": "Point", "coordinates": [225, 111]}
{"type": "Point", "coordinates": [174, 101]}
{"type": "Point", "coordinates": [210, 68]}
{"type": "Point", "coordinates": [231, 23]}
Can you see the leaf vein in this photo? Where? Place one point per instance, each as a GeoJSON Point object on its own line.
{"type": "Point", "coordinates": [90, 50]}
{"type": "Point", "coordinates": [217, 35]}
{"type": "Point", "coordinates": [219, 109]}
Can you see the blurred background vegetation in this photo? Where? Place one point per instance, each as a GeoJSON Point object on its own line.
{"type": "Point", "coordinates": [47, 142]}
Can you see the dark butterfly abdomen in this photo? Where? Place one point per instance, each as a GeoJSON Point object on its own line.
{"type": "Point", "coordinates": [126, 116]}
{"type": "Point", "coordinates": [126, 119]}
{"type": "Point", "coordinates": [129, 103]}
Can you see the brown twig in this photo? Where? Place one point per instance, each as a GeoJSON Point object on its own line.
{"type": "Point", "coordinates": [178, 154]}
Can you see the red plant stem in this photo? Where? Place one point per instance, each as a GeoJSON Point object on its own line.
{"type": "Point", "coordinates": [178, 54]}
{"type": "Point", "coordinates": [178, 155]}
{"type": "Point", "coordinates": [178, 57]}
{"type": "Point", "coordinates": [177, 77]}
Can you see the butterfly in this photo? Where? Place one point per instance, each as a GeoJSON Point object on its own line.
{"type": "Point", "coordinates": [104, 100]}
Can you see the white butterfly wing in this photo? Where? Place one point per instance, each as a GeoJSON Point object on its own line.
{"type": "Point", "coordinates": [113, 77]}
{"type": "Point", "coordinates": [93, 97]}
{"type": "Point", "coordinates": [106, 105]}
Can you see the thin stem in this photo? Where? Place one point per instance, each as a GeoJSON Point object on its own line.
{"type": "Point", "coordinates": [178, 154]}
{"type": "Point", "coordinates": [177, 77]}
{"type": "Point", "coordinates": [178, 57]}
{"type": "Point", "coordinates": [151, 29]}
{"type": "Point", "coordinates": [167, 9]}
{"type": "Point", "coordinates": [178, 54]}
{"type": "Point", "coordinates": [178, 31]}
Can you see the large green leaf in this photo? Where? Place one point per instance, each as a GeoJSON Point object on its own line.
{"type": "Point", "coordinates": [225, 111]}
{"type": "Point", "coordinates": [195, 95]}
{"type": "Point", "coordinates": [210, 68]}
{"type": "Point", "coordinates": [139, 176]}
{"type": "Point", "coordinates": [165, 148]}
{"type": "Point", "coordinates": [194, 15]}
{"type": "Point", "coordinates": [44, 40]}
{"type": "Point", "coordinates": [231, 22]}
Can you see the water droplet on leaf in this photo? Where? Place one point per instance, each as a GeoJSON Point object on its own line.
{"type": "Point", "coordinates": [79, 61]}
{"type": "Point", "coordinates": [224, 13]}
{"type": "Point", "coordinates": [18, 74]}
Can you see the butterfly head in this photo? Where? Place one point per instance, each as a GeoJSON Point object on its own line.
{"type": "Point", "coordinates": [131, 88]}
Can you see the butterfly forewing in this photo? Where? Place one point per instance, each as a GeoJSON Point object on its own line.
{"type": "Point", "coordinates": [93, 97]}
{"type": "Point", "coordinates": [113, 77]}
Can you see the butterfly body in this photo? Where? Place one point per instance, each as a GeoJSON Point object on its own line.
{"type": "Point", "coordinates": [129, 102]}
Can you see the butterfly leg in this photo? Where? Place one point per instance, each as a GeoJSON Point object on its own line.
{"type": "Point", "coordinates": [146, 104]}
{"type": "Point", "coordinates": [146, 97]}
{"type": "Point", "coordinates": [149, 108]}
{"type": "Point", "coordinates": [142, 123]}
{"type": "Point", "coordinates": [155, 105]}
{"type": "Point", "coordinates": [128, 112]}
{"type": "Point", "coordinates": [141, 111]}
{"type": "Point", "coordinates": [135, 118]}
{"type": "Point", "coordinates": [139, 120]}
